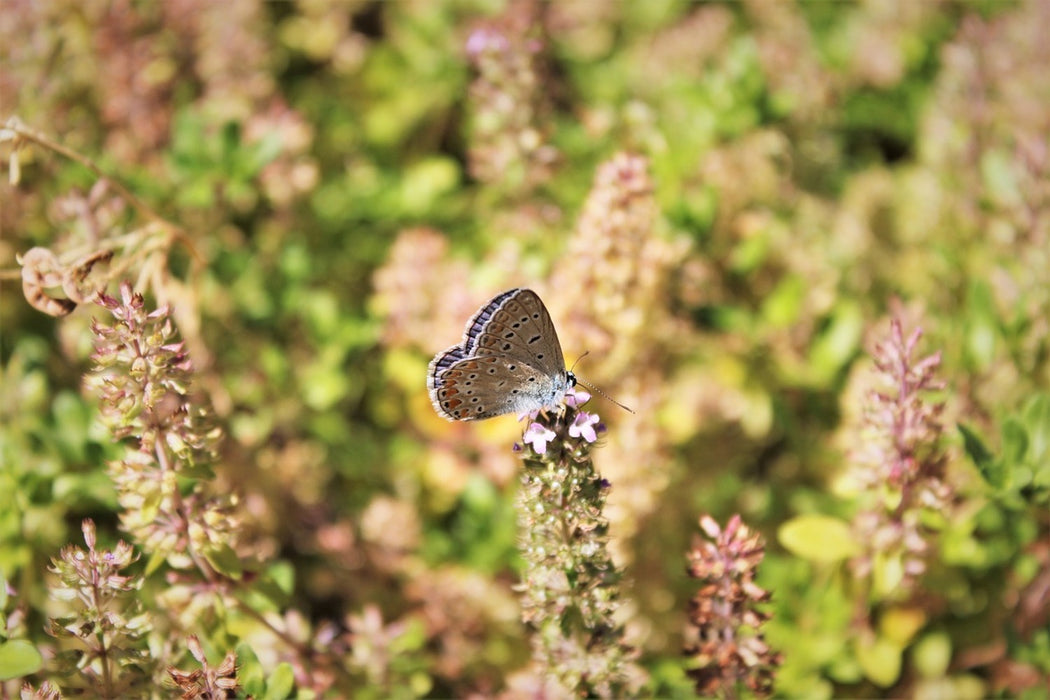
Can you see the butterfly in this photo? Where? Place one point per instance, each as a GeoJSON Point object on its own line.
{"type": "Point", "coordinates": [509, 361]}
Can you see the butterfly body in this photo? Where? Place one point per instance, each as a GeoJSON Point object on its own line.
{"type": "Point", "coordinates": [509, 361]}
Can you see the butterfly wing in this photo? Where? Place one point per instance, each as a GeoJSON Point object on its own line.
{"type": "Point", "coordinates": [519, 328]}
{"type": "Point", "coordinates": [490, 385]}
{"type": "Point", "coordinates": [483, 317]}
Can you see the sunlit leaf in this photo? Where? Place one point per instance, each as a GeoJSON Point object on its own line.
{"type": "Point", "coordinates": [818, 538]}
{"type": "Point", "coordinates": [19, 658]}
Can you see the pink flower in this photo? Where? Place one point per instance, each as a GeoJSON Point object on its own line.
{"type": "Point", "coordinates": [584, 426]}
{"type": "Point", "coordinates": [538, 436]}
{"type": "Point", "coordinates": [576, 397]}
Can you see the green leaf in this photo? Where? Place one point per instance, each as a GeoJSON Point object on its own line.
{"type": "Point", "coordinates": [887, 572]}
{"type": "Point", "coordinates": [749, 253]}
{"type": "Point", "coordinates": [1015, 443]}
{"type": "Point", "coordinates": [881, 661]}
{"type": "Point", "coordinates": [19, 658]}
{"type": "Point", "coordinates": [151, 504]}
{"type": "Point", "coordinates": [265, 151]}
{"type": "Point", "coordinates": [225, 561]}
{"type": "Point", "coordinates": [818, 538]}
{"type": "Point", "coordinates": [991, 469]}
{"type": "Point", "coordinates": [155, 560]}
{"type": "Point", "coordinates": [412, 638]}
{"type": "Point", "coordinates": [1000, 180]}
{"type": "Point", "coordinates": [425, 182]}
{"type": "Point", "coordinates": [1036, 418]}
{"type": "Point", "coordinates": [280, 683]}
{"type": "Point", "coordinates": [982, 326]}
{"type": "Point", "coordinates": [283, 575]}
{"type": "Point", "coordinates": [932, 654]}
{"type": "Point", "coordinates": [839, 342]}
{"type": "Point", "coordinates": [250, 673]}
{"type": "Point", "coordinates": [782, 306]}
{"type": "Point", "coordinates": [272, 594]}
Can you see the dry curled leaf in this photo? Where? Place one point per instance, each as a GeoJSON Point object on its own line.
{"type": "Point", "coordinates": [42, 270]}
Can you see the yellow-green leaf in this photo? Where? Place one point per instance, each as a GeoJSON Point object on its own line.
{"type": "Point", "coordinates": [19, 658]}
{"type": "Point", "coordinates": [225, 561]}
{"type": "Point", "coordinates": [900, 625]}
{"type": "Point", "coordinates": [932, 654]}
{"type": "Point", "coordinates": [881, 661]}
{"type": "Point", "coordinates": [818, 538]}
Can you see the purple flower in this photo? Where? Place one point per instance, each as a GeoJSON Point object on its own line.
{"type": "Point", "coordinates": [584, 426]}
{"type": "Point", "coordinates": [538, 436]}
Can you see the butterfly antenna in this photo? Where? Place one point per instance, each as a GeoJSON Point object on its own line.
{"type": "Point", "coordinates": [603, 394]}
{"type": "Point", "coordinates": [585, 354]}
{"type": "Point", "coordinates": [594, 388]}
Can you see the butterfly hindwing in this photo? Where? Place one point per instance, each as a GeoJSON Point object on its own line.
{"type": "Point", "coordinates": [441, 362]}
{"type": "Point", "coordinates": [488, 385]}
{"type": "Point", "coordinates": [479, 321]}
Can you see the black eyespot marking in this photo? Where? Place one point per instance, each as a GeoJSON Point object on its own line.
{"type": "Point", "coordinates": [475, 399]}
{"type": "Point", "coordinates": [492, 370]}
{"type": "Point", "coordinates": [508, 335]}
{"type": "Point", "coordinates": [506, 346]}
{"type": "Point", "coordinates": [536, 315]}
{"type": "Point", "coordinates": [512, 367]}
{"type": "Point", "coordinates": [480, 409]}
{"type": "Point", "coordinates": [539, 356]}
{"type": "Point", "coordinates": [524, 319]}
{"type": "Point", "coordinates": [515, 325]}
{"type": "Point", "coordinates": [532, 379]}
{"type": "Point", "coordinates": [473, 375]}
{"type": "Point", "coordinates": [515, 391]}
{"type": "Point", "coordinates": [533, 339]}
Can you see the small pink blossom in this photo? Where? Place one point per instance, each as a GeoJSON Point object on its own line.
{"type": "Point", "coordinates": [584, 426]}
{"type": "Point", "coordinates": [538, 436]}
{"type": "Point", "coordinates": [576, 397]}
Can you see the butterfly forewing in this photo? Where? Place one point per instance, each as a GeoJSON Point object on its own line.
{"type": "Point", "coordinates": [522, 331]}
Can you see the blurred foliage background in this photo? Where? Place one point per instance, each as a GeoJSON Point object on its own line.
{"type": "Point", "coordinates": [724, 203]}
